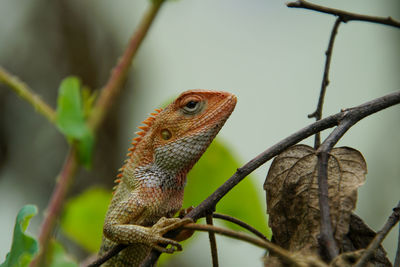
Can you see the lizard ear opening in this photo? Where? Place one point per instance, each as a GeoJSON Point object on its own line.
{"type": "Point", "coordinates": [166, 134]}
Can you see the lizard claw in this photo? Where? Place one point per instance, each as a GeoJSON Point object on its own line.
{"type": "Point", "coordinates": [163, 226]}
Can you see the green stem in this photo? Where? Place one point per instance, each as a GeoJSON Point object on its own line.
{"type": "Point", "coordinates": [105, 101]}
{"type": "Point", "coordinates": [26, 93]}
{"type": "Point", "coordinates": [64, 180]}
{"type": "Point", "coordinates": [118, 74]}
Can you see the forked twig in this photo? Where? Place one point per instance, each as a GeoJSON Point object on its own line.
{"type": "Point", "coordinates": [353, 114]}
{"type": "Point", "coordinates": [390, 223]}
{"type": "Point", "coordinates": [345, 15]}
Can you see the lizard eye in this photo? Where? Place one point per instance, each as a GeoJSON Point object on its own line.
{"type": "Point", "coordinates": [192, 107]}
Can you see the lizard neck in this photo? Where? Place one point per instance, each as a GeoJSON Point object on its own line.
{"type": "Point", "coordinates": [154, 176]}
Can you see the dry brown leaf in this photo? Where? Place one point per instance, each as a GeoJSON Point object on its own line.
{"type": "Point", "coordinates": [292, 195]}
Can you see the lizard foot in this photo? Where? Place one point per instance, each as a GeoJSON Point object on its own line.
{"type": "Point", "coordinates": [163, 226]}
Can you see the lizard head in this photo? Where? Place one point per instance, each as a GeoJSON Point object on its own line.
{"type": "Point", "coordinates": [194, 113]}
{"type": "Point", "coordinates": [174, 138]}
{"type": "Point", "coordinates": [186, 127]}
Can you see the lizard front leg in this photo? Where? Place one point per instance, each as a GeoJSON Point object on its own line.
{"type": "Point", "coordinates": [118, 229]}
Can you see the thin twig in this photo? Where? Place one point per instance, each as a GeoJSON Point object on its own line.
{"type": "Point", "coordinates": [213, 242]}
{"type": "Point", "coordinates": [64, 180]}
{"type": "Point", "coordinates": [107, 96]}
{"type": "Point", "coordinates": [356, 114]}
{"type": "Point", "coordinates": [326, 241]}
{"type": "Point", "coordinates": [390, 223]}
{"type": "Point", "coordinates": [240, 223]}
{"type": "Point", "coordinates": [114, 251]}
{"type": "Point", "coordinates": [108, 255]}
{"type": "Point", "coordinates": [26, 93]}
{"type": "Point", "coordinates": [345, 15]}
{"type": "Point", "coordinates": [118, 74]}
{"type": "Point", "coordinates": [317, 114]}
{"type": "Point", "coordinates": [397, 257]}
{"type": "Point", "coordinates": [285, 255]}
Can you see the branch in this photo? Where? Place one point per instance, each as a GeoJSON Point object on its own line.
{"type": "Point", "coordinates": [240, 223]}
{"type": "Point", "coordinates": [344, 15]}
{"type": "Point", "coordinates": [108, 255]}
{"type": "Point", "coordinates": [285, 255]}
{"type": "Point", "coordinates": [397, 258]}
{"type": "Point", "coordinates": [26, 93]}
{"type": "Point", "coordinates": [106, 98]}
{"type": "Point", "coordinates": [390, 223]}
{"type": "Point", "coordinates": [356, 114]}
{"type": "Point", "coordinates": [317, 114]}
{"type": "Point", "coordinates": [118, 74]}
{"type": "Point", "coordinates": [326, 241]}
{"type": "Point", "coordinates": [114, 251]}
{"type": "Point", "coordinates": [213, 242]}
{"type": "Point", "coordinates": [64, 180]}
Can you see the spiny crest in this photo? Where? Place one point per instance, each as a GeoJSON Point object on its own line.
{"type": "Point", "coordinates": [144, 129]}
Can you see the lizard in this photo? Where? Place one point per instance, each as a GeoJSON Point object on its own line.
{"type": "Point", "coordinates": [150, 185]}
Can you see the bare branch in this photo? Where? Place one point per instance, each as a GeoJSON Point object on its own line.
{"type": "Point", "coordinates": [286, 256]}
{"type": "Point", "coordinates": [326, 241]}
{"type": "Point", "coordinates": [108, 255]}
{"type": "Point", "coordinates": [114, 251]}
{"type": "Point", "coordinates": [390, 223]}
{"type": "Point", "coordinates": [353, 114]}
{"type": "Point", "coordinates": [344, 15]}
{"type": "Point", "coordinates": [213, 242]}
{"type": "Point", "coordinates": [240, 223]}
{"type": "Point", "coordinates": [317, 114]}
{"type": "Point", "coordinates": [397, 258]}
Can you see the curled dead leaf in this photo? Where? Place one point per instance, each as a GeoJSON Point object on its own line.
{"type": "Point", "coordinates": [292, 195]}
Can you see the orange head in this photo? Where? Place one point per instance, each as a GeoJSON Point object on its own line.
{"type": "Point", "coordinates": [176, 137]}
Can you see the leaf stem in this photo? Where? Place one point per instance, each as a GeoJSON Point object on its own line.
{"type": "Point", "coordinates": [27, 94]}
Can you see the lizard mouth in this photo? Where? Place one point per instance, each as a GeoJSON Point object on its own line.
{"type": "Point", "coordinates": [221, 112]}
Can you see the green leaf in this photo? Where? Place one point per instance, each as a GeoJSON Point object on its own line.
{"type": "Point", "coordinates": [71, 118]}
{"type": "Point", "coordinates": [213, 169]}
{"type": "Point", "coordinates": [58, 257]}
{"type": "Point", "coordinates": [83, 217]}
{"type": "Point", "coordinates": [23, 247]}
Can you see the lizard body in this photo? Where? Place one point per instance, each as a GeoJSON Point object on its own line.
{"type": "Point", "coordinates": [151, 183]}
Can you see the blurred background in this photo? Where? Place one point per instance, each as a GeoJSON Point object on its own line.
{"type": "Point", "coordinates": [270, 56]}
